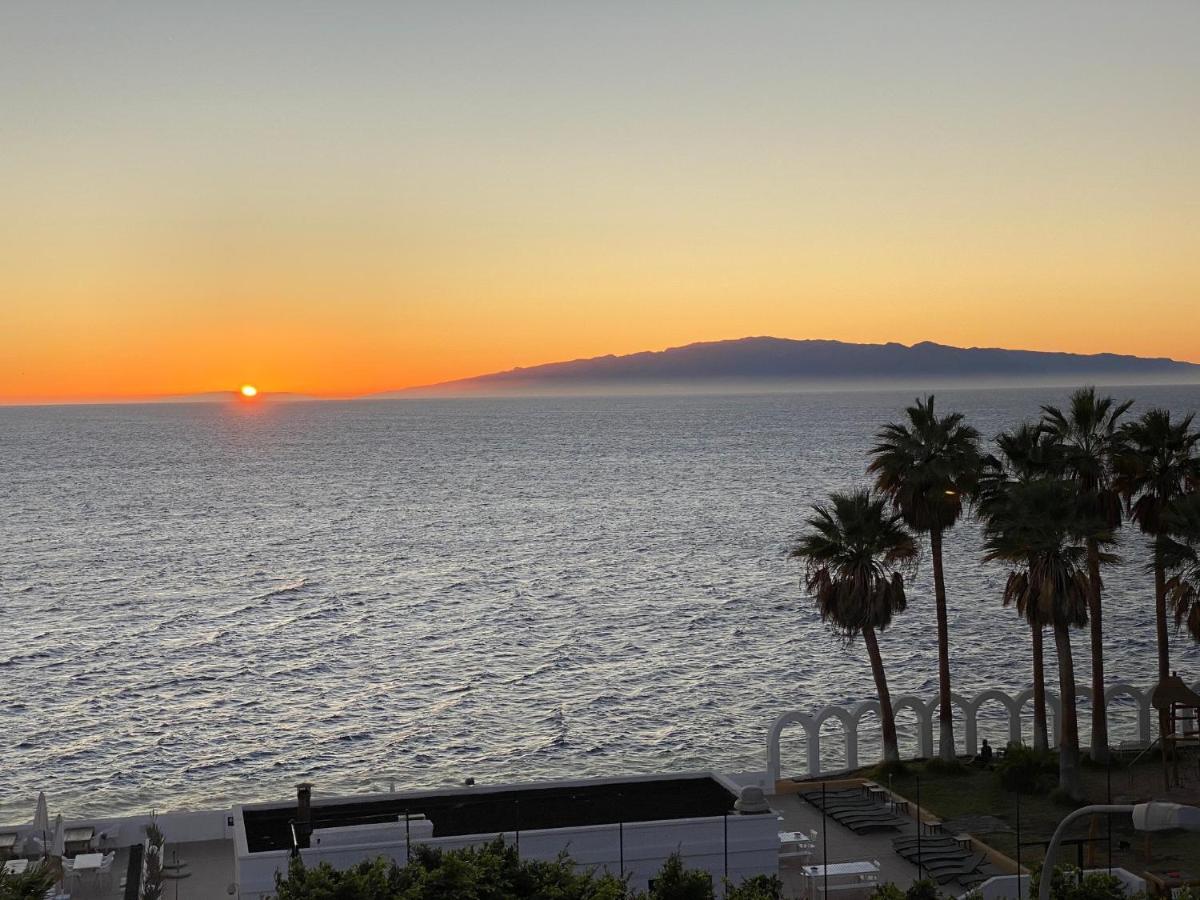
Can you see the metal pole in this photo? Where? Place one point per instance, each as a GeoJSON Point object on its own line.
{"type": "Point", "coordinates": [1019, 893]}
{"type": "Point", "coordinates": [621, 834]}
{"type": "Point", "coordinates": [621, 842]}
{"type": "Point", "coordinates": [407, 839]}
{"type": "Point", "coordinates": [518, 829]}
{"type": "Point", "coordinates": [1108, 799]}
{"type": "Point", "coordinates": [825, 838]}
{"type": "Point", "coordinates": [920, 828]}
{"type": "Point", "coordinates": [725, 823]}
{"type": "Point", "coordinates": [1052, 847]}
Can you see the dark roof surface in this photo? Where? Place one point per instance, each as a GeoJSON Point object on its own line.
{"type": "Point", "coordinates": [527, 809]}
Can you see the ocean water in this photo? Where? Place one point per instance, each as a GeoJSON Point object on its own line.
{"type": "Point", "coordinates": [202, 604]}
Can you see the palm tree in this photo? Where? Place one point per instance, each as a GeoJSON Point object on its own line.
{"type": "Point", "coordinates": [1032, 530]}
{"type": "Point", "coordinates": [1027, 452]}
{"type": "Point", "coordinates": [926, 466]}
{"type": "Point", "coordinates": [1089, 434]}
{"type": "Point", "coordinates": [855, 554]}
{"type": "Point", "coordinates": [1157, 464]}
{"type": "Point", "coordinates": [1182, 562]}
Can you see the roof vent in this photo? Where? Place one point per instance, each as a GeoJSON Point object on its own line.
{"type": "Point", "coordinates": [751, 800]}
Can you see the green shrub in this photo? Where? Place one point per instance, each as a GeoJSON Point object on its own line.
{"type": "Point", "coordinates": [675, 882]}
{"type": "Point", "coordinates": [925, 889]}
{"type": "Point", "coordinates": [760, 887]}
{"type": "Point", "coordinates": [1025, 770]}
{"type": "Point", "coordinates": [938, 766]}
{"type": "Point", "coordinates": [496, 872]}
{"type": "Point", "coordinates": [31, 884]}
{"type": "Point", "coordinates": [1065, 884]}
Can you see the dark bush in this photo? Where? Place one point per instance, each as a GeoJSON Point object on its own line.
{"type": "Point", "coordinates": [496, 872]}
{"type": "Point", "coordinates": [31, 884]}
{"type": "Point", "coordinates": [1025, 770]}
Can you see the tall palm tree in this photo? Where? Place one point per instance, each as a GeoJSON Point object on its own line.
{"type": "Point", "coordinates": [855, 555]}
{"type": "Point", "coordinates": [1033, 531]}
{"type": "Point", "coordinates": [1182, 563]}
{"type": "Point", "coordinates": [926, 466]}
{"type": "Point", "coordinates": [1157, 464]}
{"type": "Point", "coordinates": [1026, 453]}
{"type": "Point", "coordinates": [1090, 437]}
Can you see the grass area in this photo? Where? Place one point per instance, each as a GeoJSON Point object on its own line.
{"type": "Point", "coordinates": [977, 791]}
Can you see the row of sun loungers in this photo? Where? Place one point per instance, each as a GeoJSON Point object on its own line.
{"type": "Point", "coordinates": [939, 856]}
{"type": "Point", "coordinates": [943, 859]}
{"type": "Point", "coordinates": [858, 813]}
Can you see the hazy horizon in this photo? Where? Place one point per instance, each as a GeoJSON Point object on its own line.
{"type": "Point", "coordinates": [396, 196]}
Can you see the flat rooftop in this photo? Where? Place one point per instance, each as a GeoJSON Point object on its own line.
{"type": "Point", "coordinates": [475, 811]}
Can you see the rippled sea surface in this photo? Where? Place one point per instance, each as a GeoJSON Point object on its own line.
{"type": "Point", "coordinates": [204, 604]}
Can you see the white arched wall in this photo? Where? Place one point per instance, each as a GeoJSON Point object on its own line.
{"type": "Point", "coordinates": [926, 712]}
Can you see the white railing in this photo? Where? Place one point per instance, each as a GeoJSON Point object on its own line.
{"type": "Point", "coordinates": [926, 711]}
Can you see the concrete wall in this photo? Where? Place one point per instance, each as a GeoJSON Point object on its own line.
{"type": "Point", "coordinates": [752, 842]}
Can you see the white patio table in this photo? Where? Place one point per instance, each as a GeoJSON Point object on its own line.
{"type": "Point", "coordinates": [844, 876]}
{"type": "Point", "coordinates": [88, 862]}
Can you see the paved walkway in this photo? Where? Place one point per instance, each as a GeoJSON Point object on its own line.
{"type": "Point", "coordinates": [843, 845]}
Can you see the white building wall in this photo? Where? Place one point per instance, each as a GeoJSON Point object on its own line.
{"type": "Point", "coordinates": [753, 849]}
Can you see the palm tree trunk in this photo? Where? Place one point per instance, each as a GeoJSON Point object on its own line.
{"type": "Point", "coordinates": [945, 712]}
{"type": "Point", "coordinates": [1041, 738]}
{"type": "Point", "coordinates": [1099, 707]}
{"type": "Point", "coordinates": [887, 719]}
{"type": "Point", "coordinates": [1160, 627]}
{"type": "Point", "coordinates": [1160, 610]}
{"type": "Point", "coordinates": [1068, 748]}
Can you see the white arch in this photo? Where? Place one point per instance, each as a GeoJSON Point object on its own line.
{"type": "Point", "coordinates": [849, 726]}
{"type": "Point", "coordinates": [1141, 698]}
{"type": "Point", "coordinates": [1053, 708]}
{"type": "Point", "coordinates": [813, 745]}
{"type": "Point", "coordinates": [964, 705]}
{"type": "Point", "coordinates": [1010, 706]}
{"type": "Point", "coordinates": [924, 721]}
{"type": "Point", "coordinates": [851, 717]}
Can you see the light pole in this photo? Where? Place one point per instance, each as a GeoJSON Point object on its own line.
{"type": "Point", "coordinates": [1146, 817]}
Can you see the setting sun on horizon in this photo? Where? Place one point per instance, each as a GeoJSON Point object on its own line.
{"type": "Point", "coordinates": [474, 192]}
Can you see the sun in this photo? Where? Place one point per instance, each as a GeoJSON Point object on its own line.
{"type": "Point", "coordinates": [249, 390]}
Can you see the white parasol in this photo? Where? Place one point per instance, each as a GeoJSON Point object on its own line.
{"type": "Point", "coordinates": [58, 845]}
{"type": "Point", "coordinates": [41, 815]}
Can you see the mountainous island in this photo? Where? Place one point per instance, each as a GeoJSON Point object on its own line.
{"type": "Point", "coordinates": [777, 362]}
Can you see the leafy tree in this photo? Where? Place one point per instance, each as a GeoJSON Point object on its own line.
{"type": "Point", "coordinates": [760, 887]}
{"type": "Point", "coordinates": [675, 882]}
{"type": "Point", "coordinates": [1089, 436]}
{"type": "Point", "coordinates": [491, 872]}
{"type": "Point", "coordinates": [926, 466]}
{"type": "Point", "coordinates": [1066, 884]}
{"type": "Point", "coordinates": [496, 872]}
{"type": "Point", "coordinates": [854, 554]}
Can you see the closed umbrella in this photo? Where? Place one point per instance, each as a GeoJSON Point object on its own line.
{"type": "Point", "coordinates": [58, 845]}
{"type": "Point", "coordinates": [41, 815]}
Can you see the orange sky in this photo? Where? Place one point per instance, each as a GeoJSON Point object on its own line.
{"type": "Point", "coordinates": [364, 202]}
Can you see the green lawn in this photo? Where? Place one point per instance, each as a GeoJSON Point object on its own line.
{"type": "Point", "coordinates": [978, 792]}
